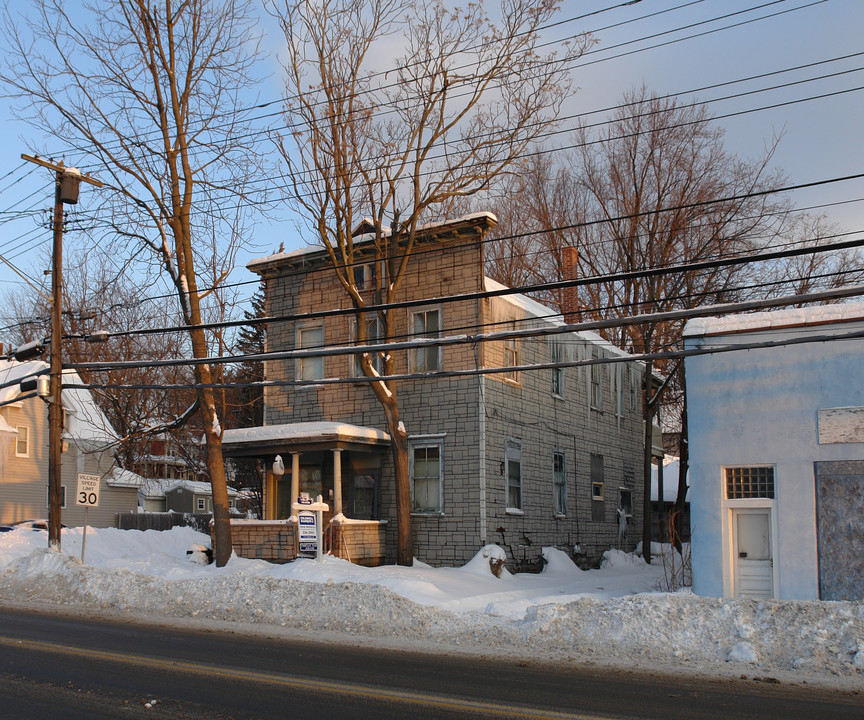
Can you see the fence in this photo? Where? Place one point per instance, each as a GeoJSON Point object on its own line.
{"type": "Point", "coordinates": [163, 521]}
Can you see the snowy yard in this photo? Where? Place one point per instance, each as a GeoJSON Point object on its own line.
{"type": "Point", "coordinates": [616, 615]}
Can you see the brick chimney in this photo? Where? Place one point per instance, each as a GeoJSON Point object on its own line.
{"type": "Point", "coordinates": [570, 308]}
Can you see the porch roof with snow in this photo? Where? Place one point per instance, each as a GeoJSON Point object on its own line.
{"type": "Point", "coordinates": [300, 437]}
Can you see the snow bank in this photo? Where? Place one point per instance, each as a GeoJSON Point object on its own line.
{"type": "Point", "coordinates": [612, 615]}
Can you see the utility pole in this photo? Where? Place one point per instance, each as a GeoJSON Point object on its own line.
{"type": "Point", "coordinates": [65, 191]}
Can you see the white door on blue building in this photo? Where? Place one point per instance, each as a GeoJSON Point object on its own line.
{"type": "Point", "coordinates": [752, 555]}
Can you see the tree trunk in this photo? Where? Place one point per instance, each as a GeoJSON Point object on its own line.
{"type": "Point", "coordinates": [399, 445]}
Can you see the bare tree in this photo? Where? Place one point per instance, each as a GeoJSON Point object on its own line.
{"type": "Point", "coordinates": [398, 141]}
{"type": "Point", "coordinates": [149, 93]}
{"type": "Point", "coordinates": [654, 188]}
{"type": "Point", "coordinates": [98, 298]}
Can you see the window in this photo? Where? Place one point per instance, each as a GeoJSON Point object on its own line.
{"type": "Point", "coordinates": [749, 482]}
{"type": "Point", "coordinates": [426, 476]}
{"type": "Point", "coordinates": [511, 359]}
{"type": "Point", "coordinates": [559, 482]}
{"type": "Point", "coordinates": [596, 381]}
{"type": "Point", "coordinates": [634, 389]}
{"type": "Point", "coordinates": [62, 497]}
{"type": "Point", "coordinates": [22, 442]}
{"type": "Point", "coordinates": [426, 324]}
{"type": "Point", "coordinates": [556, 354]}
{"type": "Point", "coordinates": [201, 504]}
{"type": "Point", "coordinates": [598, 489]}
{"type": "Point", "coordinates": [513, 473]}
{"type": "Point", "coordinates": [364, 276]}
{"type": "Point", "coordinates": [374, 334]}
{"type": "Point", "coordinates": [625, 501]}
{"type": "Point", "coordinates": [311, 368]}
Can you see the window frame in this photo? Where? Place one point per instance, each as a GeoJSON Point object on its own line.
{"type": "Point", "coordinates": [512, 353]}
{"type": "Point", "coordinates": [622, 491]}
{"type": "Point", "coordinates": [513, 454]}
{"type": "Point", "coordinates": [596, 384]}
{"type": "Point", "coordinates": [559, 483]}
{"type": "Point", "coordinates": [425, 442]}
{"type": "Point", "coordinates": [300, 364]}
{"type": "Point", "coordinates": [376, 359]}
{"type": "Point", "coordinates": [425, 352]}
{"type": "Point", "coordinates": [555, 354]}
{"type": "Point", "coordinates": [732, 468]}
{"type": "Point", "coordinates": [26, 429]}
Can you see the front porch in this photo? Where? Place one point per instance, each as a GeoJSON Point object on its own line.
{"type": "Point", "coordinates": [340, 462]}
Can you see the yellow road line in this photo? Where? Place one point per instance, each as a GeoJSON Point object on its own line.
{"type": "Point", "coordinates": [301, 683]}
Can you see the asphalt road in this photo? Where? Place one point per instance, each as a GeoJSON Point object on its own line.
{"type": "Point", "coordinates": [76, 669]}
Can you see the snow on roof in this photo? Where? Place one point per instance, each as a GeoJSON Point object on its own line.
{"type": "Point", "coordinates": [15, 372]}
{"type": "Point", "coordinates": [85, 422]}
{"type": "Point", "coordinates": [313, 249]}
{"type": "Point", "coordinates": [125, 478]}
{"type": "Point", "coordinates": [304, 431]}
{"type": "Point", "coordinates": [549, 316]}
{"type": "Point", "coordinates": [820, 314]}
{"type": "Point", "coordinates": [198, 487]}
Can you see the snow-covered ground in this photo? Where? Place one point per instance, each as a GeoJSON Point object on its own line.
{"type": "Point", "coordinates": [617, 615]}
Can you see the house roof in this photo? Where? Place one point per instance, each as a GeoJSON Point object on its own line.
{"type": "Point", "coordinates": [124, 478]}
{"type": "Point", "coordinates": [427, 229]}
{"type": "Point", "coordinates": [197, 486]}
{"type": "Point", "coordinates": [85, 422]}
{"type": "Point", "coordinates": [153, 488]}
{"type": "Point", "coordinates": [274, 438]}
{"type": "Point", "coordinates": [548, 315]}
{"type": "Point", "coordinates": [775, 319]}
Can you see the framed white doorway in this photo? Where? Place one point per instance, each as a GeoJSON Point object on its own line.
{"type": "Point", "coordinates": [752, 552]}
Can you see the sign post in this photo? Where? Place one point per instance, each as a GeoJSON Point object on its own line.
{"type": "Point", "coordinates": [88, 496]}
{"type": "Point", "coordinates": [309, 525]}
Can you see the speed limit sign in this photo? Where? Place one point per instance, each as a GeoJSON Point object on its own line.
{"type": "Point", "coordinates": [88, 490]}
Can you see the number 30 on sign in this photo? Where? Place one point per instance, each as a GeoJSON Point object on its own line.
{"type": "Point", "coordinates": [88, 490]}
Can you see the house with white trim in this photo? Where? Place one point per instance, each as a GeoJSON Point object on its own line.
{"type": "Point", "coordinates": [776, 432]}
{"type": "Point", "coordinates": [88, 443]}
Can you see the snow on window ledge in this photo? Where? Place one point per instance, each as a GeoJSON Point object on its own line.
{"type": "Point", "coordinates": [514, 511]}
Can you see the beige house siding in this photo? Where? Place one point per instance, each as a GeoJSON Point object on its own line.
{"type": "Point", "coordinates": [24, 481]}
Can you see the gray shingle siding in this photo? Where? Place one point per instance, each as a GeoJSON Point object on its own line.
{"type": "Point", "coordinates": [474, 415]}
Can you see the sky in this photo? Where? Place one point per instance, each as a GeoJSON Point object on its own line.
{"type": "Point", "coordinates": [621, 614]}
{"type": "Point", "coordinates": [670, 46]}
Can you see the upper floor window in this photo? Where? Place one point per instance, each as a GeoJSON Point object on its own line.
{"type": "Point", "coordinates": [374, 334]}
{"type": "Point", "coordinates": [22, 442]}
{"type": "Point", "coordinates": [596, 381]}
{"type": "Point", "coordinates": [426, 476]}
{"type": "Point", "coordinates": [556, 354]}
{"type": "Point", "coordinates": [310, 368]}
{"type": "Point", "coordinates": [749, 482]}
{"type": "Point", "coordinates": [364, 276]}
{"type": "Point", "coordinates": [426, 324]}
{"type": "Point", "coordinates": [511, 359]}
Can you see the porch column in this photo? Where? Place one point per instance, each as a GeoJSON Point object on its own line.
{"type": "Point", "coordinates": [337, 482]}
{"type": "Point", "coordinates": [295, 482]}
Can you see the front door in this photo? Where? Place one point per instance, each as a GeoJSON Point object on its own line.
{"type": "Point", "coordinates": [753, 559]}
